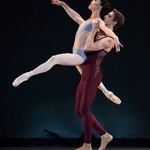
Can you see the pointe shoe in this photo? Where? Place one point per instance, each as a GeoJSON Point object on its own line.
{"type": "Point", "coordinates": [105, 139]}
{"type": "Point", "coordinates": [111, 96]}
{"type": "Point", "coordinates": [85, 147]}
{"type": "Point", "coordinates": [20, 79]}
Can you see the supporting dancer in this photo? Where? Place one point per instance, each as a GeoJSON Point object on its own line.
{"type": "Point", "coordinates": [92, 77]}
{"type": "Point", "coordinates": [78, 57]}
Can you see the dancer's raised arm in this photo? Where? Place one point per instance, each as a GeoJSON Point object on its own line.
{"type": "Point", "coordinates": [73, 14]}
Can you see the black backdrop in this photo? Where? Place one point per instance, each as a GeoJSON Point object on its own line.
{"type": "Point", "coordinates": [30, 32]}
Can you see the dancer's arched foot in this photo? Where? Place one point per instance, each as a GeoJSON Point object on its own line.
{"type": "Point", "coordinates": [111, 96]}
{"type": "Point", "coordinates": [85, 147]}
{"type": "Point", "coordinates": [105, 139]}
{"type": "Point", "coordinates": [21, 78]}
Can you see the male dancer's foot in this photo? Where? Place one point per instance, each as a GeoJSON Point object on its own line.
{"type": "Point", "coordinates": [105, 139]}
{"type": "Point", "coordinates": [21, 78]}
{"type": "Point", "coordinates": [85, 147]}
{"type": "Point", "coordinates": [111, 96]}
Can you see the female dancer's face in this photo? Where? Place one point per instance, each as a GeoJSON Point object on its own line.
{"type": "Point", "coordinates": [95, 4]}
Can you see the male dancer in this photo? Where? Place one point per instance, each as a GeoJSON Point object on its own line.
{"type": "Point", "coordinates": [92, 77]}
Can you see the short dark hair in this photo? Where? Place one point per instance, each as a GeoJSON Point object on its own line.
{"type": "Point", "coordinates": [119, 18]}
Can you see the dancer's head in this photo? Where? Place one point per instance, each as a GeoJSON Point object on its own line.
{"type": "Point", "coordinates": [114, 19]}
{"type": "Point", "coordinates": [99, 5]}
{"type": "Point", "coordinates": [105, 4]}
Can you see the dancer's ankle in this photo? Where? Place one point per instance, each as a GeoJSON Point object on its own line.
{"type": "Point", "coordinates": [87, 145]}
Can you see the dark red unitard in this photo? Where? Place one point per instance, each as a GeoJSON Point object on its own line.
{"type": "Point", "coordinates": [86, 92]}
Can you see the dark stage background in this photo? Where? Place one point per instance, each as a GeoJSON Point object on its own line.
{"type": "Point", "coordinates": [30, 33]}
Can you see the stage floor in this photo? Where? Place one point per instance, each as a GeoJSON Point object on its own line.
{"type": "Point", "coordinates": [65, 148]}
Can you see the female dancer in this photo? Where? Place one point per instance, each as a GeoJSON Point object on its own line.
{"type": "Point", "coordinates": [78, 57]}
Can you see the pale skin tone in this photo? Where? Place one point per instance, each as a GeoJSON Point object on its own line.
{"type": "Point", "coordinates": [79, 43]}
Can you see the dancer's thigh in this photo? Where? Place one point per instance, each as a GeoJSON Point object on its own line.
{"type": "Point", "coordinates": [68, 59]}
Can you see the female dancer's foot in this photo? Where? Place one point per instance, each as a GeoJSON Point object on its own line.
{"type": "Point", "coordinates": [21, 78]}
{"type": "Point", "coordinates": [111, 96]}
{"type": "Point", "coordinates": [105, 139]}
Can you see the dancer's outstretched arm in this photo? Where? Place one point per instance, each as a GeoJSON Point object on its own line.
{"type": "Point", "coordinates": [73, 14]}
{"type": "Point", "coordinates": [109, 94]}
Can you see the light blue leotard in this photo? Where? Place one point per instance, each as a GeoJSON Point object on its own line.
{"type": "Point", "coordinates": [86, 27]}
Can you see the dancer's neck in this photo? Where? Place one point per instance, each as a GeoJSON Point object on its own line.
{"type": "Point", "coordinates": [95, 14]}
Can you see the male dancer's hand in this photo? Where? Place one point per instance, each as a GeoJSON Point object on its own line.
{"type": "Point", "coordinates": [117, 44]}
{"type": "Point", "coordinates": [95, 23]}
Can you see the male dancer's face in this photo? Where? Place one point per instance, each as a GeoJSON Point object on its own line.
{"type": "Point", "coordinates": [109, 19]}
{"type": "Point", "coordinates": [95, 4]}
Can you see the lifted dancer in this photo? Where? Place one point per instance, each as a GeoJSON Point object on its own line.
{"type": "Point", "coordinates": [78, 57]}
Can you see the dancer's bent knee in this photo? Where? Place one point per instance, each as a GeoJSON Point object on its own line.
{"type": "Point", "coordinates": [82, 112]}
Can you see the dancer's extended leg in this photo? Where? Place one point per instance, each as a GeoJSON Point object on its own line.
{"type": "Point", "coordinates": [61, 59]}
